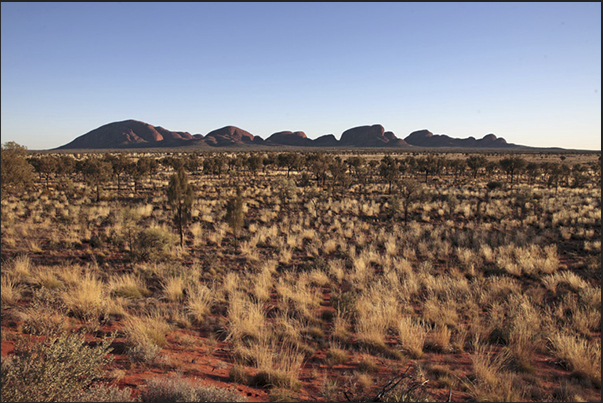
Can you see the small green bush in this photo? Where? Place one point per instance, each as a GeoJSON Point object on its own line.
{"type": "Point", "coordinates": [58, 370]}
{"type": "Point", "coordinates": [154, 244]}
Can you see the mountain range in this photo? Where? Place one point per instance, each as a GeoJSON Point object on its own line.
{"type": "Point", "coordinates": [135, 134]}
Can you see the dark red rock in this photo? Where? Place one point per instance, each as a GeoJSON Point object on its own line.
{"type": "Point", "coordinates": [289, 138]}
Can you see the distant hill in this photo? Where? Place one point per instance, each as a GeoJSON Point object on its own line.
{"type": "Point", "coordinates": [125, 134]}
{"type": "Point", "coordinates": [136, 134]}
{"type": "Point", "coordinates": [425, 138]}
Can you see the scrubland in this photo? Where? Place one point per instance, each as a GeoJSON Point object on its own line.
{"type": "Point", "coordinates": [475, 288]}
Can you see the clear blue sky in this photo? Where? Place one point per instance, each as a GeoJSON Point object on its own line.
{"type": "Point", "coordinates": [530, 73]}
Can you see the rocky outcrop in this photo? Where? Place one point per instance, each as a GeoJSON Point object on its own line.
{"type": "Point", "coordinates": [288, 138]}
{"type": "Point", "coordinates": [425, 138]}
{"type": "Point", "coordinates": [125, 134]}
{"type": "Point", "coordinates": [136, 134]}
{"type": "Point", "coordinates": [230, 136]}
{"type": "Point", "coordinates": [327, 140]}
{"type": "Point", "coordinates": [369, 136]}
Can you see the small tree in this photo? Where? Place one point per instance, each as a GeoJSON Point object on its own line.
{"type": "Point", "coordinates": [180, 197]}
{"type": "Point", "coordinates": [290, 160]}
{"type": "Point", "coordinates": [120, 164]}
{"type": "Point", "coordinates": [235, 216]}
{"type": "Point", "coordinates": [512, 166]}
{"type": "Point", "coordinates": [45, 166]}
{"type": "Point", "coordinates": [16, 171]}
{"type": "Point", "coordinates": [409, 190]}
{"type": "Point", "coordinates": [255, 162]}
{"type": "Point", "coordinates": [388, 169]}
{"type": "Point", "coordinates": [96, 172]}
{"type": "Point", "coordinates": [141, 170]}
{"type": "Point", "coordinates": [338, 170]}
{"type": "Point", "coordinates": [475, 163]}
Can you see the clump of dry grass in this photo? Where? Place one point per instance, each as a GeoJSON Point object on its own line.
{"type": "Point", "coordinates": [173, 288]}
{"type": "Point", "coordinates": [580, 356]}
{"type": "Point", "coordinates": [246, 319]}
{"type": "Point", "coordinates": [412, 335]}
{"type": "Point", "coordinates": [199, 302]}
{"type": "Point", "coordinates": [128, 286]}
{"type": "Point", "coordinates": [11, 291]}
{"type": "Point", "coordinates": [440, 338]}
{"type": "Point", "coordinates": [145, 336]}
{"type": "Point", "coordinates": [87, 299]}
{"type": "Point", "coordinates": [19, 268]}
{"type": "Point", "coordinates": [493, 381]}
{"type": "Point", "coordinates": [336, 356]}
{"type": "Point", "coordinates": [376, 312]}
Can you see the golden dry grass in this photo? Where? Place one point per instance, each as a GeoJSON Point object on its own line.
{"type": "Point", "coordinates": [324, 274]}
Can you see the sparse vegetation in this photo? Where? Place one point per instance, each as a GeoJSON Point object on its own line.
{"type": "Point", "coordinates": [346, 270]}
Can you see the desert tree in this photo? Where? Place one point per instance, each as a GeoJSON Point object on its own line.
{"type": "Point", "coordinates": [475, 163]}
{"type": "Point", "coordinates": [16, 172]}
{"type": "Point", "coordinates": [319, 166]}
{"type": "Point", "coordinates": [512, 166]}
{"type": "Point", "coordinates": [255, 162]}
{"type": "Point", "coordinates": [120, 164]}
{"type": "Point", "coordinates": [180, 196]}
{"type": "Point", "coordinates": [359, 167]}
{"type": "Point", "coordinates": [339, 173]}
{"type": "Point", "coordinates": [290, 160]}
{"type": "Point", "coordinates": [65, 170]}
{"type": "Point", "coordinates": [533, 171]}
{"type": "Point", "coordinates": [45, 166]}
{"type": "Point", "coordinates": [96, 172]}
{"type": "Point", "coordinates": [140, 170]}
{"type": "Point", "coordinates": [287, 191]}
{"type": "Point", "coordinates": [268, 161]}
{"type": "Point", "coordinates": [408, 191]}
{"type": "Point", "coordinates": [579, 174]}
{"type": "Point", "coordinates": [236, 163]}
{"type": "Point", "coordinates": [429, 165]}
{"type": "Point", "coordinates": [215, 164]}
{"type": "Point", "coordinates": [317, 196]}
{"type": "Point", "coordinates": [458, 167]}
{"type": "Point", "coordinates": [389, 171]}
{"type": "Point", "coordinates": [193, 162]}
{"type": "Point", "coordinates": [65, 165]}
{"type": "Point", "coordinates": [522, 200]}
{"type": "Point", "coordinates": [173, 161]}
{"type": "Point", "coordinates": [235, 216]}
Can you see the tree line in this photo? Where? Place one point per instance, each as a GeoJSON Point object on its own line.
{"type": "Point", "coordinates": [324, 169]}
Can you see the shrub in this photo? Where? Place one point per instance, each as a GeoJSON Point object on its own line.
{"type": "Point", "coordinates": [154, 244]}
{"type": "Point", "coordinates": [106, 393]}
{"type": "Point", "coordinates": [176, 389]}
{"type": "Point", "coordinates": [57, 370]}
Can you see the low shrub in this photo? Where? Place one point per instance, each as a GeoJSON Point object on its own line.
{"type": "Point", "coordinates": [154, 244]}
{"type": "Point", "coordinates": [177, 389]}
{"type": "Point", "coordinates": [57, 370]}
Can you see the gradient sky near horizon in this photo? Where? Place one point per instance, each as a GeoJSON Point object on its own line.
{"type": "Point", "coordinates": [527, 72]}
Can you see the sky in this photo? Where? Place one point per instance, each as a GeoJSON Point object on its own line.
{"type": "Point", "coordinates": [527, 72]}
